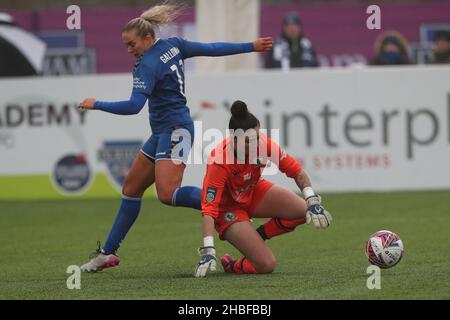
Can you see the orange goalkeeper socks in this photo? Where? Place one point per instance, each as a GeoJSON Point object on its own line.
{"type": "Point", "coordinates": [241, 266]}
{"type": "Point", "coordinates": [276, 226]}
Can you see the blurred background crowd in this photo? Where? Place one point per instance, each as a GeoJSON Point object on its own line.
{"type": "Point", "coordinates": [34, 39]}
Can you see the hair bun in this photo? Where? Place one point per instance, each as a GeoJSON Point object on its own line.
{"type": "Point", "coordinates": [239, 110]}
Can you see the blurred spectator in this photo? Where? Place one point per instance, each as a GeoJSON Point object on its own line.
{"type": "Point", "coordinates": [391, 48]}
{"type": "Point", "coordinates": [441, 49]}
{"type": "Point", "coordinates": [293, 49]}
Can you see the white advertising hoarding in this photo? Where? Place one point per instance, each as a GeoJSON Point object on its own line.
{"type": "Point", "coordinates": [355, 129]}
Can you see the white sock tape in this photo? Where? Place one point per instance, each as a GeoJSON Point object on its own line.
{"type": "Point", "coordinates": [208, 241]}
{"type": "Point", "coordinates": [308, 192]}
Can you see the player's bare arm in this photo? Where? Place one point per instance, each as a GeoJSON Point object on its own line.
{"type": "Point", "coordinates": [207, 251]}
{"type": "Point", "coordinates": [208, 226]}
{"type": "Point", "coordinates": [302, 180]}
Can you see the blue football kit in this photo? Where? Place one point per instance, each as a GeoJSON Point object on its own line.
{"type": "Point", "coordinates": [158, 77]}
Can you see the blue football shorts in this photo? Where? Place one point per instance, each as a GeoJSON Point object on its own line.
{"type": "Point", "coordinates": [171, 144]}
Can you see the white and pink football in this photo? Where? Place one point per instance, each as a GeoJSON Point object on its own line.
{"type": "Point", "coordinates": [384, 249]}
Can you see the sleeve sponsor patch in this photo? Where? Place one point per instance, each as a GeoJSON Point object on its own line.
{"type": "Point", "coordinates": [211, 194]}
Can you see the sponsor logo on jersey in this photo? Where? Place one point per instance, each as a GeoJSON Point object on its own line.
{"type": "Point", "coordinates": [138, 83]}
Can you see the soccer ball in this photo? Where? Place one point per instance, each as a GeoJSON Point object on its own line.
{"type": "Point", "coordinates": [384, 249]}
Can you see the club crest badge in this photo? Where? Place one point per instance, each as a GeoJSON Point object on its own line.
{"type": "Point", "coordinates": [211, 194]}
{"type": "Point", "coordinates": [230, 216]}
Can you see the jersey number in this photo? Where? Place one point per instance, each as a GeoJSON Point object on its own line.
{"type": "Point", "coordinates": [180, 80]}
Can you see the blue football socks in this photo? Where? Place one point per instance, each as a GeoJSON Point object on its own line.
{"type": "Point", "coordinates": [189, 197]}
{"type": "Point", "coordinates": [128, 212]}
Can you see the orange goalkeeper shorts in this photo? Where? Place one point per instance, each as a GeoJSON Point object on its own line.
{"type": "Point", "coordinates": [230, 215]}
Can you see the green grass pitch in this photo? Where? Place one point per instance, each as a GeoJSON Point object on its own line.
{"type": "Point", "coordinates": [40, 239]}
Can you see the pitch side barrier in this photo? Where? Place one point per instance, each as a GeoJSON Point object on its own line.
{"type": "Point", "coordinates": [353, 129]}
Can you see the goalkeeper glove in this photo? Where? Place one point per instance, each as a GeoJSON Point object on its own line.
{"type": "Point", "coordinates": [317, 214]}
{"type": "Point", "coordinates": [208, 261]}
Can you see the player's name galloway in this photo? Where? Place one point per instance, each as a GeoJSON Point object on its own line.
{"type": "Point", "coordinates": [169, 55]}
{"type": "Point", "coordinates": [226, 310]}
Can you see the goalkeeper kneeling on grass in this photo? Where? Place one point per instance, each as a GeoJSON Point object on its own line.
{"type": "Point", "coordinates": [234, 193]}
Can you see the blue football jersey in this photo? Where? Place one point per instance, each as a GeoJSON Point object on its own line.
{"type": "Point", "coordinates": [158, 77]}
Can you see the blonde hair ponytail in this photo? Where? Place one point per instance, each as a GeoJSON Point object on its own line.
{"type": "Point", "coordinates": [155, 17]}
